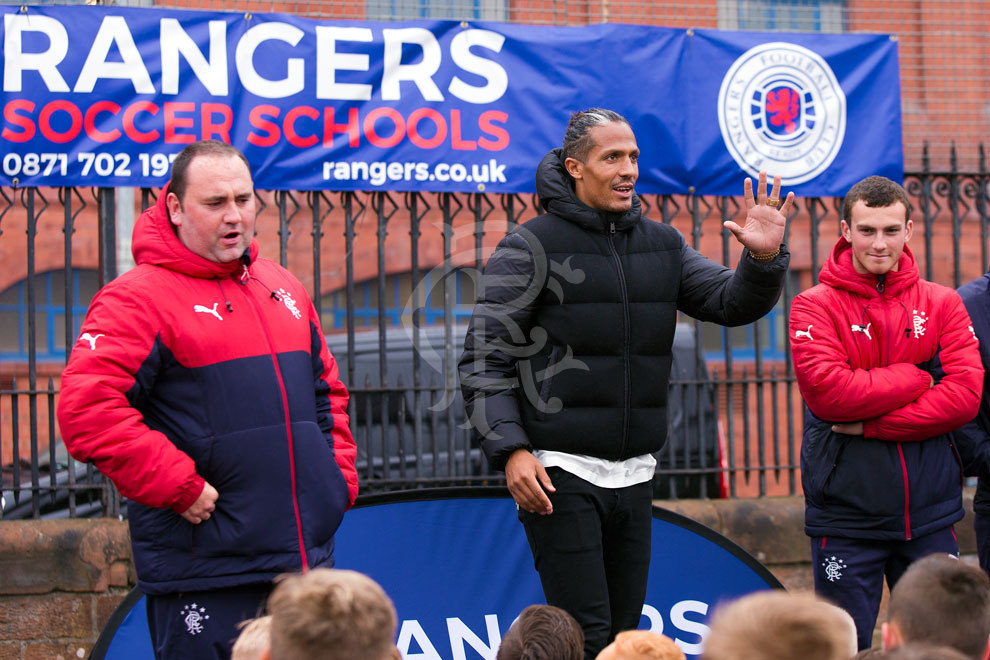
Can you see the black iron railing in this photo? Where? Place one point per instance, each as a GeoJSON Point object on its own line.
{"type": "Point", "coordinates": [393, 276]}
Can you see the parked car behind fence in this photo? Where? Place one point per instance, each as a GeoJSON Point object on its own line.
{"type": "Point", "coordinates": [407, 415]}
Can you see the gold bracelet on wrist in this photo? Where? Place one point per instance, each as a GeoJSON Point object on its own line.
{"type": "Point", "coordinates": [765, 258]}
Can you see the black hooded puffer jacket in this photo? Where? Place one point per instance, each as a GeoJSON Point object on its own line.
{"type": "Point", "coordinates": [569, 347]}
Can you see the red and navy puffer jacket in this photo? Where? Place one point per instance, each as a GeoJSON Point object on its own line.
{"type": "Point", "coordinates": [188, 370]}
{"type": "Point", "coordinates": [866, 350]}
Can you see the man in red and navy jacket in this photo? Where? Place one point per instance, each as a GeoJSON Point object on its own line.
{"type": "Point", "coordinates": [888, 366]}
{"type": "Point", "coordinates": [203, 387]}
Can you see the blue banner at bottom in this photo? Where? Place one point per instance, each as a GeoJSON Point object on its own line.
{"type": "Point", "coordinates": [460, 571]}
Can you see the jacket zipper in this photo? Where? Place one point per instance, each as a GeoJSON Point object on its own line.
{"type": "Point", "coordinates": [288, 422]}
{"type": "Point", "coordinates": [884, 359]}
{"type": "Point", "coordinates": [626, 403]}
{"type": "Point", "coordinates": [831, 473]}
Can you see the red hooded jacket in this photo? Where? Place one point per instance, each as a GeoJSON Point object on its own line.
{"type": "Point", "coordinates": [186, 370]}
{"type": "Point", "coordinates": [865, 349]}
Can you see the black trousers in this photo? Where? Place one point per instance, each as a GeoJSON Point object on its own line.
{"type": "Point", "coordinates": [593, 554]}
{"type": "Point", "coordinates": [202, 624]}
{"type": "Point", "coordinates": [981, 524]}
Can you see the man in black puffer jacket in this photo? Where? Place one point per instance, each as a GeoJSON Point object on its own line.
{"type": "Point", "coordinates": [568, 354]}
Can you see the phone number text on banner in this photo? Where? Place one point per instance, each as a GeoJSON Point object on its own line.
{"type": "Point", "coordinates": [106, 96]}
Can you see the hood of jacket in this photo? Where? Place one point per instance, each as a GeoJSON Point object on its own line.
{"type": "Point", "coordinates": [555, 188]}
{"type": "Point", "coordinates": [838, 272]}
{"type": "Point", "coordinates": [154, 242]}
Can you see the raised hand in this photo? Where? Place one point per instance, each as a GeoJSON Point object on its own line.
{"type": "Point", "coordinates": [764, 229]}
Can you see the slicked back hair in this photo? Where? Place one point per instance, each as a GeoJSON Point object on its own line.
{"type": "Point", "coordinates": [577, 138]}
{"type": "Point", "coordinates": [179, 181]}
{"type": "Point", "coordinates": [876, 192]}
{"type": "Point", "coordinates": [943, 601]}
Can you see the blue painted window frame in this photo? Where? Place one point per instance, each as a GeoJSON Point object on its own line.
{"type": "Point", "coordinates": [789, 15]}
{"type": "Point", "coordinates": [46, 313]}
{"type": "Point", "coordinates": [432, 312]}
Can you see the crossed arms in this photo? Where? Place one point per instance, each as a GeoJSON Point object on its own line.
{"type": "Point", "coordinates": [900, 401]}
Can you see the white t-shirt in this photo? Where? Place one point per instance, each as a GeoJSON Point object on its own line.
{"type": "Point", "coordinates": [599, 471]}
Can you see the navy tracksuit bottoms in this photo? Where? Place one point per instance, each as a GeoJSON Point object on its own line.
{"type": "Point", "coordinates": [202, 624]}
{"type": "Point", "coordinates": [850, 572]}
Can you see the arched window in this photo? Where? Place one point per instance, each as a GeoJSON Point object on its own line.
{"type": "Point", "coordinates": [49, 325]}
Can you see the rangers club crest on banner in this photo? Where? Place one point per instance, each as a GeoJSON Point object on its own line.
{"type": "Point", "coordinates": [781, 109]}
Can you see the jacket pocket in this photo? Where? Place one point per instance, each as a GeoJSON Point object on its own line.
{"type": "Point", "coordinates": [935, 473]}
{"type": "Point", "coordinates": [321, 488]}
{"type": "Point", "coordinates": [821, 450]}
{"type": "Point", "coordinates": [255, 512]}
{"type": "Point", "coordinates": [152, 527]}
{"type": "Point", "coordinates": [959, 461]}
{"type": "Point", "coordinates": [832, 470]}
{"type": "Point", "coordinates": [867, 479]}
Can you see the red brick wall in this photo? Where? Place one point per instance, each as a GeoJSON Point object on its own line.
{"type": "Point", "coordinates": [59, 583]}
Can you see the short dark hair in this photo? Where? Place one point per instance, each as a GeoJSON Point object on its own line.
{"type": "Point", "coordinates": [577, 141]}
{"type": "Point", "coordinates": [875, 191]}
{"type": "Point", "coordinates": [915, 651]}
{"type": "Point", "coordinates": [181, 163]}
{"type": "Point", "coordinates": [543, 632]}
{"type": "Point", "coordinates": [944, 601]}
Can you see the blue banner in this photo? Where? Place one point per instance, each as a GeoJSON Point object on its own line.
{"type": "Point", "coordinates": [457, 566]}
{"type": "Point", "coordinates": [460, 570]}
{"type": "Point", "coordinates": [107, 96]}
